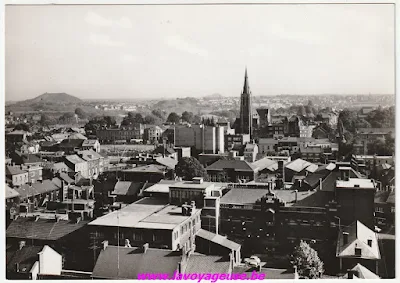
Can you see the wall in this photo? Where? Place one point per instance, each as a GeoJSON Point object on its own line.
{"type": "Point", "coordinates": [50, 262]}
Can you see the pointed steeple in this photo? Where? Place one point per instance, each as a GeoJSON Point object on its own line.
{"type": "Point", "coordinates": [246, 88]}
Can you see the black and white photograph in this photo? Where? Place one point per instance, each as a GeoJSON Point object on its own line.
{"type": "Point", "coordinates": [204, 141]}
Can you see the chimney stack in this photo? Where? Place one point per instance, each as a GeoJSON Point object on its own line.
{"type": "Point", "coordinates": [320, 184]}
{"type": "Point", "coordinates": [145, 247]}
{"type": "Point", "coordinates": [105, 244]}
{"type": "Point", "coordinates": [295, 195]}
{"type": "Point", "coordinates": [21, 244]}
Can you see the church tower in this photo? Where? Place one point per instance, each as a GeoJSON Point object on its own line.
{"type": "Point", "coordinates": [246, 116]}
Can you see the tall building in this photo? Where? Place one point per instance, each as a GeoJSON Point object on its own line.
{"type": "Point", "coordinates": [245, 108]}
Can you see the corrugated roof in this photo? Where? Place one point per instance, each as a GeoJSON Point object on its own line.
{"type": "Point", "coordinates": [167, 161]}
{"type": "Point", "coordinates": [218, 239]}
{"type": "Point", "coordinates": [127, 263]}
{"type": "Point", "coordinates": [42, 229]}
{"type": "Point", "coordinates": [265, 163]}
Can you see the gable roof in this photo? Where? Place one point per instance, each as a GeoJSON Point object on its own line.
{"type": "Point", "coordinates": [14, 170]}
{"type": "Point", "coordinates": [265, 163]}
{"type": "Point", "coordinates": [67, 143]}
{"type": "Point", "coordinates": [10, 193]}
{"type": "Point", "coordinates": [217, 239]}
{"type": "Point", "coordinates": [364, 273]}
{"type": "Point", "coordinates": [25, 257]}
{"type": "Point", "coordinates": [42, 229]}
{"type": "Point", "coordinates": [167, 162]}
{"type": "Point", "coordinates": [37, 188]}
{"type": "Point", "coordinates": [132, 261]}
{"type": "Point", "coordinates": [298, 165]}
{"type": "Point", "coordinates": [239, 165]}
{"type": "Point", "coordinates": [127, 188]}
{"type": "Point", "coordinates": [358, 236]}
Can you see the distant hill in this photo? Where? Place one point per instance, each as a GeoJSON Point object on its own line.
{"type": "Point", "coordinates": [178, 105]}
{"type": "Point", "coordinates": [46, 102]}
{"type": "Point", "coordinates": [213, 96]}
{"type": "Point", "coordinates": [54, 98]}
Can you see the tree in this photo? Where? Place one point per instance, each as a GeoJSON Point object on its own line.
{"type": "Point", "coordinates": [67, 117]}
{"type": "Point", "coordinates": [150, 119]}
{"type": "Point", "coordinates": [187, 117]}
{"type": "Point", "coordinates": [158, 113]}
{"type": "Point", "coordinates": [45, 120]}
{"type": "Point", "coordinates": [301, 111]}
{"type": "Point", "coordinates": [173, 118]}
{"type": "Point", "coordinates": [23, 127]}
{"type": "Point", "coordinates": [81, 114]}
{"type": "Point", "coordinates": [307, 261]}
{"type": "Point", "coordinates": [190, 167]}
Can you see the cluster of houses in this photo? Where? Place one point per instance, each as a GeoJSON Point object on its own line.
{"type": "Point", "coordinates": [74, 212]}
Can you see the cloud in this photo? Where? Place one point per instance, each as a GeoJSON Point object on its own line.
{"type": "Point", "coordinates": [105, 40]}
{"type": "Point", "coordinates": [179, 43]}
{"type": "Point", "coordinates": [97, 20]}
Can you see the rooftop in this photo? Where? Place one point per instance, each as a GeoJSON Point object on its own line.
{"type": "Point", "coordinates": [192, 185]}
{"type": "Point", "coordinates": [42, 229]}
{"type": "Point", "coordinates": [238, 165]}
{"type": "Point", "coordinates": [25, 258]}
{"type": "Point", "coordinates": [199, 263]}
{"type": "Point", "coordinates": [14, 170]}
{"type": "Point", "coordinates": [126, 188]}
{"type": "Point", "coordinates": [298, 165]}
{"type": "Point", "coordinates": [133, 261]}
{"type": "Point", "coordinates": [74, 159]}
{"type": "Point", "coordinates": [218, 239]}
{"type": "Point", "coordinates": [151, 168]}
{"type": "Point", "coordinates": [148, 213]}
{"type": "Point", "coordinates": [358, 236]}
{"type": "Point", "coordinates": [161, 187]}
{"type": "Point", "coordinates": [10, 193]}
{"type": "Point", "coordinates": [356, 183]}
{"type": "Point", "coordinates": [36, 188]}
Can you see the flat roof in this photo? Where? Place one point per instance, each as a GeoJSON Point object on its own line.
{"type": "Point", "coordinates": [160, 187]}
{"type": "Point", "coordinates": [356, 183]}
{"type": "Point", "coordinates": [148, 213]}
{"type": "Point", "coordinates": [192, 185]}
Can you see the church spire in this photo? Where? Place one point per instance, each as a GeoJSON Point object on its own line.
{"type": "Point", "coordinates": [246, 88]}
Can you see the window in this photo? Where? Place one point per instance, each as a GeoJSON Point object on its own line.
{"type": "Point", "coordinates": [357, 251]}
{"type": "Point", "coordinates": [392, 210]}
{"type": "Point", "coordinates": [137, 237]}
{"type": "Point", "coordinates": [379, 209]}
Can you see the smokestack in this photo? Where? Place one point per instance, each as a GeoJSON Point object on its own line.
{"type": "Point", "coordinates": [21, 244]}
{"type": "Point", "coordinates": [105, 244]}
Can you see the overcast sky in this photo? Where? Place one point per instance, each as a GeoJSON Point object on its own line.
{"type": "Point", "coordinates": [175, 51]}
